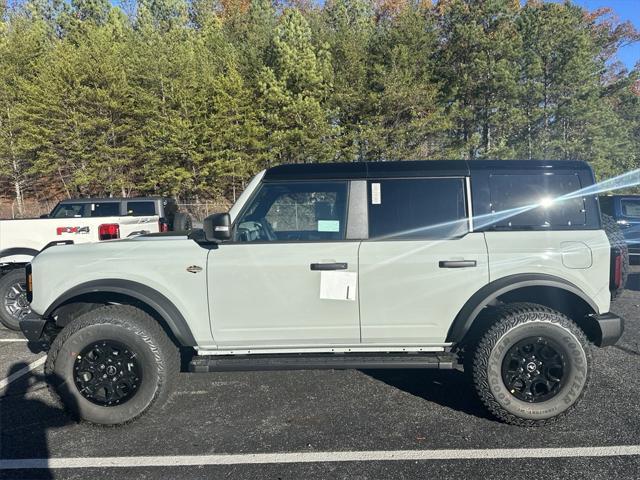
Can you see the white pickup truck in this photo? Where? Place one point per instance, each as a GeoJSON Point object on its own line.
{"type": "Point", "coordinates": [74, 221]}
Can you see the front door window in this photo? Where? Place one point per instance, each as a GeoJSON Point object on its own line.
{"type": "Point", "coordinates": [295, 212]}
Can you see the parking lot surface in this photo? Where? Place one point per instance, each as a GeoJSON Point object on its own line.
{"type": "Point", "coordinates": [327, 424]}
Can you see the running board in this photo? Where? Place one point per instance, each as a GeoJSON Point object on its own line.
{"type": "Point", "coordinates": [237, 363]}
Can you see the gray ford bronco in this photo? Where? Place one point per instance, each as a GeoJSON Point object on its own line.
{"type": "Point", "coordinates": [502, 268]}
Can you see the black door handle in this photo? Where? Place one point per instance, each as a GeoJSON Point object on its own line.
{"type": "Point", "coordinates": [329, 266]}
{"type": "Point", "coordinates": [457, 263]}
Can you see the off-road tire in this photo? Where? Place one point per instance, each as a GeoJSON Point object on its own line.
{"type": "Point", "coordinates": [617, 240]}
{"type": "Point", "coordinates": [7, 281]}
{"type": "Point", "coordinates": [157, 356]}
{"type": "Point", "coordinates": [516, 322]}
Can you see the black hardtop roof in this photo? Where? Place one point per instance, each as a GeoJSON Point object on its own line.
{"type": "Point", "coordinates": [413, 168]}
{"type": "Point", "coordinates": [109, 199]}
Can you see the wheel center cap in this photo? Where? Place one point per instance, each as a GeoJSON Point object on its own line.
{"type": "Point", "coordinates": [531, 367]}
{"type": "Point", "coordinates": [111, 370]}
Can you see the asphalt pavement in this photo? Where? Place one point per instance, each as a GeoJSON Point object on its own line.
{"type": "Point", "coordinates": [233, 422]}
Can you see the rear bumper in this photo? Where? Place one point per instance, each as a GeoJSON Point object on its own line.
{"type": "Point", "coordinates": [611, 329]}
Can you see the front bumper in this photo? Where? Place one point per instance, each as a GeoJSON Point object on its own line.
{"type": "Point", "coordinates": [34, 328]}
{"type": "Point", "coordinates": [611, 329]}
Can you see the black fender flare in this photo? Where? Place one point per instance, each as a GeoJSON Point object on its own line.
{"type": "Point", "coordinates": [490, 292]}
{"type": "Point", "coordinates": [147, 295]}
{"type": "Point", "coordinates": [9, 252]}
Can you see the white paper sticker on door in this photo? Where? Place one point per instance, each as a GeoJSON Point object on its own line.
{"type": "Point", "coordinates": [338, 285]}
{"type": "Point", "coordinates": [376, 197]}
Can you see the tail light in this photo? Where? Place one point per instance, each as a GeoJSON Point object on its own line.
{"type": "Point", "coordinates": [163, 226]}
{"type": "Point", "coordinates": [109, 231]}
{"type": "Point", "coordinates": [616, 269]}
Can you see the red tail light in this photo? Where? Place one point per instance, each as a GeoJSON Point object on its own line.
{"type": "Point", "coordinates": [617, 271]}
{"type": "Point", "coordinates": [163, 226]}
{"type": "Point", "coordinates": [108, 231]}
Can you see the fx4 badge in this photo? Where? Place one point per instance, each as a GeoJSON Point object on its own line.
{"type": "Point", "coordinates": [76, 230]}
{"type": "Point", "coordinates": [194, 269]}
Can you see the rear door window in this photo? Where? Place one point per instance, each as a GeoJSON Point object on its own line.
{"type": "Point", "coordinates": [417, 208]}
{"type": "Point", "coordinates": [536, 201]}
{"type": "Point", "coordinates": [141, 208]}
{"type": "Point", "coordinates": [105, 209]}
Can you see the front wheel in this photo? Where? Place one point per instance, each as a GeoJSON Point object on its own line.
{"type": "Point", "coordinates": [111, 365]}
{"type": "Point", "coordinates": [13, 298]}
{"type": "Point", "coordinates": [532, 366]}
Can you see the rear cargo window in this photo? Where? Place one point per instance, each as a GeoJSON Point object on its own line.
{"type": "Point", "coordinates": [141, 208]}
{"type": "Point", "coordinates": [536, 201]}
{"type": "Point", "coordinates": [630, 207]}
{"type": "Point", "coordinates": [420, 208]}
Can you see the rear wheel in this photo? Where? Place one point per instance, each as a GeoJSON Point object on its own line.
{"type": "Point", "coordinates": [111, 365]}
{"type": "Point", "coordinates": [13, 298]}
{"type": "Point", "coordinates": [532, 366]}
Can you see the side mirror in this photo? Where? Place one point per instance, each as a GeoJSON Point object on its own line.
{"type": "Point", "coordinates": [217, 227]}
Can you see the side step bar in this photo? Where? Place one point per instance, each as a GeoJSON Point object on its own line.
{"type": "Point", "coordinates": [237, 363]}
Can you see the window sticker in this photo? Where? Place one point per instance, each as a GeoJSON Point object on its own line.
{"type": "Point", "coordinates": [376, 197]}
{"type": "Point", "coordinates": [328, 225]}
{"type": "Point", "coordinates": [338, 285]}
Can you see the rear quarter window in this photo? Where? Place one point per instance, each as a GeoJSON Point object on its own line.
{"type": "Point", "coordinates": [537, 201]}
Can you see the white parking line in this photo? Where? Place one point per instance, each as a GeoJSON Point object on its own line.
{"type": "Point", "coordinates": [23, 371]}
{"type": "Point", "coordinates": [13, 340]}
{"type": "Point", "coordinates": [320, 457]}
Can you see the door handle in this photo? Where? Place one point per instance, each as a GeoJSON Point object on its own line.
{"type": "Point", "coordinates": [329, 266]}
{"type": "Point", "coordinates": [457, 263]}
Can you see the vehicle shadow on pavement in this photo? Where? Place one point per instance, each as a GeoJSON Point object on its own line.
{"type": "Point", "coordinates": [24, 423]}
{"type": "Point", "coordinates": [448, 388]}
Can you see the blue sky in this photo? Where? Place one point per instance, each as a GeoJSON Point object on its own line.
{"type": "Point", "coordinates": [625, 10]}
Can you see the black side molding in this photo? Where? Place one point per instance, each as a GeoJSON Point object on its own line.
{"type": "Point", "coordinates": [321, 361]}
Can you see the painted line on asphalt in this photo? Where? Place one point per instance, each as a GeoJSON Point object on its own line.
{"type": "Point", "coordinates": [319, 457]}
{"type": "Point", "coordinates": [13, 340]}
{"type": "Point", "coordinates": [23, 371]}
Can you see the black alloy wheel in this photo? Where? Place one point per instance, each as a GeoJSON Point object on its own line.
{"type": "Point", "coordinates": [107, 373]}
{"type": "Point", "coordinates": [533, 369]}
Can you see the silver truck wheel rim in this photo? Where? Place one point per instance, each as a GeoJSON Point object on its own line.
{"type": "Point", "coordinates": [15, 301]}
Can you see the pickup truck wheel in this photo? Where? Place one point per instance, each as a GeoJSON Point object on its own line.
{"type": "Point", "coordinates": [532, 366]}
{"type": "Point", "coordinates": [111, 365]}
{"type": "Point", "coordinates": [13, 298]}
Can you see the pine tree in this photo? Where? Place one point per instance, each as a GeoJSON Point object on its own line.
{"type": "Point", "coordinates": [293, 88]}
